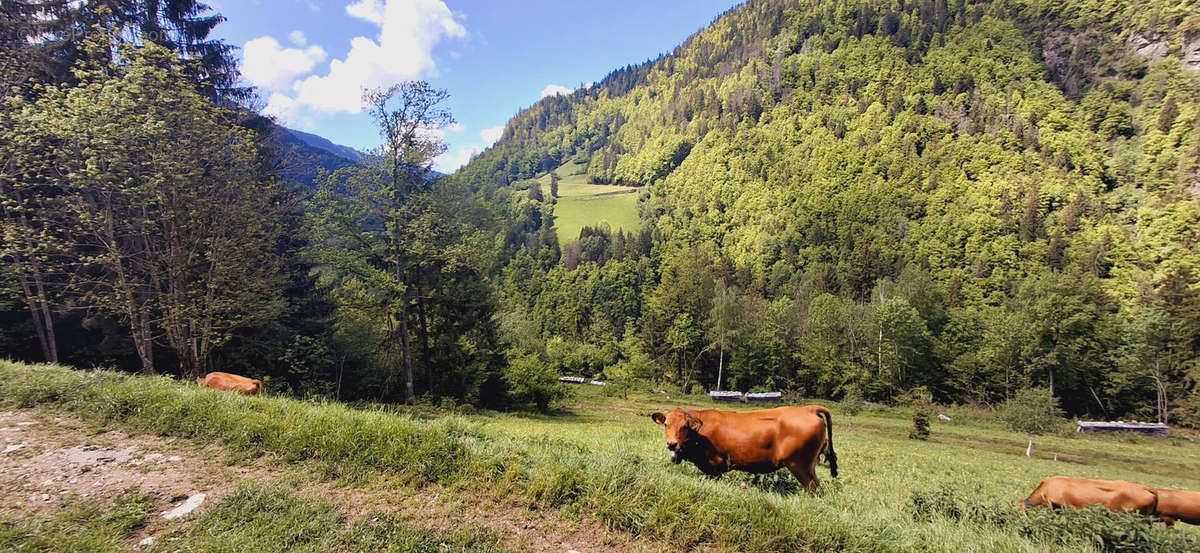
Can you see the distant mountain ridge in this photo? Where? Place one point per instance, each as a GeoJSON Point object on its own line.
{"type": "Point", "coordinates": [325, 144]}
{"type": "Point", "coordinates": [302, 156]}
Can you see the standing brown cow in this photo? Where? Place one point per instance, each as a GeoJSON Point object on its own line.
{"type": "Point", "coordinates": [232, 382]}
{"type": "Point", "coordinates": [753, 441]}
{"type": "Point", "coordinates": [1076, 493]}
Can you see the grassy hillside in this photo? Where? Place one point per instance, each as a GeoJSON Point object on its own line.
{"type": "Point", "coordinates": [605, 458]}
{"type": "Point", "coordinates": [581, 203]}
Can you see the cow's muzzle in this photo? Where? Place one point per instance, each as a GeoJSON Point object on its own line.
{"type": "Point", "coordinates": [673, 447]}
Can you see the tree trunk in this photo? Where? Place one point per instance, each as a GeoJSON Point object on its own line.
{"type": "Point", "coordinates": [423, 334]}
{"type": "Point", "coordinates": [408, 372]}
{"type": "Point", "coordinates": [720, 368]}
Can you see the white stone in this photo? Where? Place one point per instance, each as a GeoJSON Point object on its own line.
{"type": "Point", "coordinates": [148, 541]}
{"type": "Point", "coordinates": [152, 457]}
{"type": "Point", "coordinates": [174, 459]}
{"type": "Point", "coordinates": [186, 507]}
{"type": "Point", "coordinates": [13, 448]}
{"type": "Point", "coordinates": [943, 418]}
{"type": "Point", "coordinates": [24, 424]}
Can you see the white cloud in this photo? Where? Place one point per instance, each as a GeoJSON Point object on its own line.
{"type": "Point", "coordinates": [282, 107]}
{"type": "Point", "coordinates": [491, 134]}
{"type": "Point", "coordinates": [298, 38]}
{"type": "Point", "coordinates": [403, 50]}
{"type": "Point", "coordinates": [369, 10]}
{"type": "Point", "coordinates": [453, 161]}
{"type": "Point", "coordinates": [555, 90]}
{"type": "Point", "coordinates": [268, 65]}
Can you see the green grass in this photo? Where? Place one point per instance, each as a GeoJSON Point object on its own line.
{"type": "Point", "coordinates": [86, 526]}
{"type": "Point", "coordinates": [578, 204]}
{"type": "Point", "coordinates": [258, 518]}
{"type": "Point", "coordinates": [271, 519]}
{"type": "Point", "coordinates": [606, 459]}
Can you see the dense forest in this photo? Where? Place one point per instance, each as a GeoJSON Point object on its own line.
{"type": "Point", "coordinates": [884, 198]}
{"type": "Point", "coordinates": [950, 199]}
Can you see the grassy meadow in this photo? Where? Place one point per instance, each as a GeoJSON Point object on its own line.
{"type": "Point", "coordinates": [579, 204]}
{"type": "Point", "coordinates": [603, 457]}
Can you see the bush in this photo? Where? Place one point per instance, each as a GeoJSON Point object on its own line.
{"type": "Point", "coordinates": [852, 401]}
{"type": "Point", "coordinates": [532, 381]}
{"type": "Point", "coordinates": [1033, 411]}
{"type": "Point", "coordinates": [920, 429]}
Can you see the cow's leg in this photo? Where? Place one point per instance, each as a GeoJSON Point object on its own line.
{"type": "Point", "coordinates": [805, 473]}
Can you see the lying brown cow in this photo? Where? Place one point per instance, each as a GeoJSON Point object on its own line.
{"type": "Point", "coordinates": [753, 441]}
{"type": "Point", "coordinates": [1178, 505]}
{"type": "Point", "coordinates": [232, 382]}
{"type": "Point", "coordinates": [1076, 493]}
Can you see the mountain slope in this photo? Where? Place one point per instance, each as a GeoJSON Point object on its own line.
{"type": "Point", "coordinates": [1033, 159]}
{"type": "Point", "coordinates": [303, 155]}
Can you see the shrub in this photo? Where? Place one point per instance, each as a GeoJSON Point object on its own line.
{"type": "Point", "coordinates": [1032, 410]}
{"type": "Point", "coordinates": [531, 381]}
{"type": "Point", "coordinates": [852, 401]}
{"type": "Point", "coordinates": [920, 429]}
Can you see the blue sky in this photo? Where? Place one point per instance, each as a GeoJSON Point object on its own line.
{"type": "Point", "coordinates": [310, 58]}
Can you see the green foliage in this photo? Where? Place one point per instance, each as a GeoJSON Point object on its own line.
{"type": "Point", "coordinates": [973, 197]}
{"type": "Point", "coordinates": [852, 400]}
{"type": "Point", "coordinates": [1032, 410]}
{"type": "Point", "coordinates": [1094, 527]}
{"type": "Point", "coordinates": [920, 429]}
{"type": "Point", "coordinates": [153, 193]}
{"type": "Point", "coordinates": [533, 381]}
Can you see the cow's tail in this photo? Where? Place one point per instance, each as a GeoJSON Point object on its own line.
{"type": "Point", "coordinates": [829, 453]}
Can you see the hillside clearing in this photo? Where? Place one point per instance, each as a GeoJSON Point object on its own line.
{"type": "Point", "coordinates": [581, 203]}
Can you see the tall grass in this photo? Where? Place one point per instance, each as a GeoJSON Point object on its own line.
{"type": "Point", "coordinates": [620, 488]}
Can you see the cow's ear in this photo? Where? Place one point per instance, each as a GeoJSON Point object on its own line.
{"type": "Point", "coordinates": [694, 422]}
{"type": "Point", "coordinates": [659, 418]}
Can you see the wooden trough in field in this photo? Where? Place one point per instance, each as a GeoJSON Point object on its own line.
{"type": "Point", "coordinates": [581, 380]}
{"type": "Point", "coordinates": [764, 397]}
{"type": "Point", "coordinates": [725, 396]}
{"type": "Point", "coordinates": [1155, 430]}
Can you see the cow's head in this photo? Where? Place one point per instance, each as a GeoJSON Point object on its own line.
{"type": "Point", "coordinates": [682, 426]}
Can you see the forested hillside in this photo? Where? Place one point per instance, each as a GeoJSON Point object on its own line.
{"type": "Point", "coordinates": [881, 198]}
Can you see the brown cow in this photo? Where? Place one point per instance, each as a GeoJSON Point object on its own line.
{"type": "Point", "coordinates": [1179, 505]}
{"type": "Point", "coordinates": [753, 441]}
{"type": "Point", "coordinates": [232, 382]}
{"type": "Point", "coordinates": [1076, 493]}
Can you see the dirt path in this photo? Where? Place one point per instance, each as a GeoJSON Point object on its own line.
{"type": "Point", "coordinates": [48, 462]}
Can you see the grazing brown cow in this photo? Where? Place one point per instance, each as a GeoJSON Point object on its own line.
{"type": "Point", "coordinates": [1076, 493]}
{"type": "Point", "coordinates": [233, 382]}
{"type": "Point", "coordinates": [1178, 505]}
{"type": "Point", "coordinates": [753, 441]}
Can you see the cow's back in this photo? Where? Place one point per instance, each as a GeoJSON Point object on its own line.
{"type": "Point", "coordinates": [232, 382]}
{"type": "Point", "coordinates": [1077, 493]}
{"type": "Point", "coordinates": [766, 438]}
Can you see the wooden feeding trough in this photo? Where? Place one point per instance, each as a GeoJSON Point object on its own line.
{"type": "Point", "coordinates": [1156, 430]}
{"type": "Point", "coordinates": [725, 396]}
{"type": "Point", "coordinates": [764, 397]}
{"type": "Point", "coordinates": [597, 383]}
{"type": "Point", "coordinates": [572, 379]}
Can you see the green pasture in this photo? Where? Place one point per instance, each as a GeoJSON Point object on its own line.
{"type": "Point", "coordinates": [603, 457]}
{"type": "Point", "coordinates": [579, 205]}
